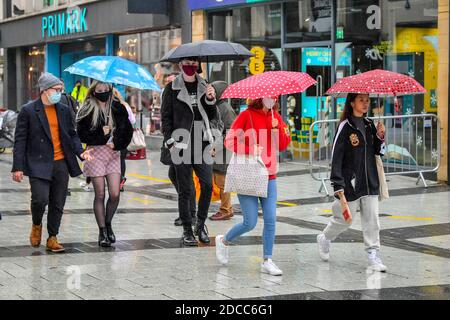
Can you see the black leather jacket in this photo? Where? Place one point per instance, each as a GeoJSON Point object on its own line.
{"type": "Point", "coordinates": [353, 167]}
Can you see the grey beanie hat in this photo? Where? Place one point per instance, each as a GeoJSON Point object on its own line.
{"type": "Point", "coordinates": [47, 80]}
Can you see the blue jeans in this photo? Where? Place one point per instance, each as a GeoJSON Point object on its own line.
{"type": "Point", "coordinates": [249, 206]}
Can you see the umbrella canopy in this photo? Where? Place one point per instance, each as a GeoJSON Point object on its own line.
{"type": "Point", "coordinates": [377, 83]}
{"type": "Point", "coordinates": [269, 84]}
{"type": "Point", "coordinates": [208, 50]}
{"type": "Point", "coordinates": [116, 70]}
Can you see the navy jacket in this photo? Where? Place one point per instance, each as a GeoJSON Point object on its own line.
{"type": "Point", "coordinates": [33, 148]}
{"type": "Point", "coordinates": [353, 168]}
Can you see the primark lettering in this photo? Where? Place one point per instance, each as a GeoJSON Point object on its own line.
{"type": "Point", "coordinates": [64, 23]}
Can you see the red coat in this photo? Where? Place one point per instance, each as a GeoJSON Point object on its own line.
{"type": "Point", "coordinates": [239, 137]}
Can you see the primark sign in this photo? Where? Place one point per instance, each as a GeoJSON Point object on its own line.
{"type": "Point", "coordinates": [64, 23]}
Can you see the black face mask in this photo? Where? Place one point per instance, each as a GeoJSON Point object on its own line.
{"type": "Point", "coordinates": [102, 96]}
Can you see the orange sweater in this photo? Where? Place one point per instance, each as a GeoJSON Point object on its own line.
{"type": "Point", "coordinates": [50, 111]}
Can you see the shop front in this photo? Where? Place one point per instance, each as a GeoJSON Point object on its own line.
{"type": "Point", "coordinates": [53, 40]}
{"type": "Point", "coordinates": [330, 39]}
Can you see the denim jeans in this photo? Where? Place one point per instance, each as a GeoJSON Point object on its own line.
{"type": "Point", "coordinates": [249, 206]}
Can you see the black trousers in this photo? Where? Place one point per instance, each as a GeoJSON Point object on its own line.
{"type": "Point", "coordinates": [186, 190]}
{"type": "Point", "coordinates": [52, 193]}
{"type": "Point", "coordinates": [192, 201]}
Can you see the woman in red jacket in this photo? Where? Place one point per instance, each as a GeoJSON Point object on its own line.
{"type": "Point", "coordinates": [272, 136]}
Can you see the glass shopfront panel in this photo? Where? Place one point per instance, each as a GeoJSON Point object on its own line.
{"type": "Point", "coordinates": [35, 64]}
{"type": "Point", "coordinates": [401, 36]}
{"type": "Point", "coordinates": [259, 29]}
{"type": "Point", "coordinates": [146, 49]}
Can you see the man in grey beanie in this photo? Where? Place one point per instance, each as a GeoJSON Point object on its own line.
{"type": "Point", "coordinates": [45, 150]}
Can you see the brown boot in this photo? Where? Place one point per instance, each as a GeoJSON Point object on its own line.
{"type": "Point", "coordinates": [36, 235]}
{"type": "Point", "coordinates": [54, 246]}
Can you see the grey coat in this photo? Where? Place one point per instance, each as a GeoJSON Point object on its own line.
{"type": "Point", "coordinates": [227, 115]}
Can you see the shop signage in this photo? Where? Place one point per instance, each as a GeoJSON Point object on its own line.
{"type": "Point", "coordinates": [206, 4]}
{"type": "Point", "coordinates": [256, 64]}
{"type": "Point", "coordinates": [64, 23]}
{"type": "Point", "coordinates": [322, 57]}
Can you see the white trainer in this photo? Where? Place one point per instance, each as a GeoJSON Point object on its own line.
{"type": "Point", "coordinates": [375, 262]}
{"type": "Point", "coordinates": [271, 268]}
{"type": "Point", "coordinates": [221, 250]}
{"type": "Point", "coordinates": [324, 247]}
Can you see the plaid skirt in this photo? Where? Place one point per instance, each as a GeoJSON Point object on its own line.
{"type": "Point", "coordinates": [105, 162]}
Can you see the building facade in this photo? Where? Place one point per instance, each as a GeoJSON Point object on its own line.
{"type": "Point", "coordinates": [50, 35]}
{"type": "Point", "coordinates": [331, 39]}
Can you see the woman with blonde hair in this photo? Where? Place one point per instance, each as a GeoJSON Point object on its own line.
{"type": "Point", "coordinates": [103, 124]}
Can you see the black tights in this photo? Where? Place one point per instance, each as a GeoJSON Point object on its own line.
{"type": "Point", "coordinates": [105, 218]}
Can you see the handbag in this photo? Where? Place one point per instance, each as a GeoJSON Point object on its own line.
{"type": "Point", "coordinates": [384, 191]}
{"type": "Point", "coordinates": [247, 174]}
{"type": "Point", "coordinates": [139, 154]}
{"type": "Point", "coordinates": [137, 141]}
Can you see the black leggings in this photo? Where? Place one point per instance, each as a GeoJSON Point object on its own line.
{"type": "Point", "coordinates": [123, 166]}
{"type": "Point", "coordinates": [104, 217]}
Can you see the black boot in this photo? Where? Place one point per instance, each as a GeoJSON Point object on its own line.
{"type": "Point", "coordinates": [188, 236]}
{"type": "Point", "coordinates": [178, 222]}
{"type": "Point", "coordinates": [103, 240]}
{"type": "Point", "coordinates": [202, 232]}
{"type": "Point", "coordinates": [110, 233]}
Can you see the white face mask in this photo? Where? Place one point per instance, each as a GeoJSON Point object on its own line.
{"type": "Point", "coordinates": [268, 102]}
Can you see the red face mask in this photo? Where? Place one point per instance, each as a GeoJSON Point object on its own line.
{"type": "Point", "coordinates": [189, 70]}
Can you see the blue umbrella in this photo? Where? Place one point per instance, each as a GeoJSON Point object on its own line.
{"type": "Point", "coordinates": [116, 70]}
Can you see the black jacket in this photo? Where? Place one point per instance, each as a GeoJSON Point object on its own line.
{"type": "Point", "coordinates": [123, 131]}
{"type": "Point", "coordinates": [176, 109]}
{"type": "Point", "coordinates": [33, 148]}
{"type": "Point", "coordinates": [353, 167]}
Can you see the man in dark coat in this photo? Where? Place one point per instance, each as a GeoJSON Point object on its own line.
{"type": "Point", "coordinates": [222, 158]}
{"type": "Point", "coordinates": [45, 150]}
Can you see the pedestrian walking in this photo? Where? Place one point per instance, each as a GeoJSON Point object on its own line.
{"type": "Point", "coordinates": [172, 174]}
{"type": "Point", "coordinates": [79, 92]}
{"type": "Point", "coordinates": [259, 131]}
{"type": "Point", "coordinates": [45, 149]}
{"type": "Point", "coordinates": [354, 177]}
{"type": "Point", "coordinates": [102, 123]}
{"type": "Point", "coordinates": [221, 158]}
{"type": "Point", "coordinates": [188, 106]}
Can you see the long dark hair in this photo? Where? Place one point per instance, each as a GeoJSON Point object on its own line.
{"type": "Point", "coordinates": [257, 104]}
{"type": "Point", "coordinates": [348, 109]}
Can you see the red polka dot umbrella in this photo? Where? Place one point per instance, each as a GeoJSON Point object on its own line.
{"type": "Point", "coordinates": [269, 84]}
{"type": "Point", "coordinates": [377, 83]}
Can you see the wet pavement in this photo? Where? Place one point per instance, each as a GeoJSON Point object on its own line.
{"type": "Point", "coordinates": [148, 261]}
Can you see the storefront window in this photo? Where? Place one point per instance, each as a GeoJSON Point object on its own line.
{"type": "Point", "coordinates": [308, 20]}
{"type": "Point", "coordinates": [146, 49]}
{"type": "Point", "coordinates": [259, 29]}
{"type": "Point", "coordinates": [35, 63]}
{"type": "Point", "coordinates": [400, 36]}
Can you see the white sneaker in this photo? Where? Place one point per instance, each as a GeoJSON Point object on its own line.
{"type": "Point", "coordinates": [270, 268]}
{"type": "Point", "coordinates": [84, 186]}
{"type": "Point", "coordinates": [221, 250]}
{"type": "Point", "coordinates": [375, 262]}
{"type": "Point", "coordinates": [324, 247]}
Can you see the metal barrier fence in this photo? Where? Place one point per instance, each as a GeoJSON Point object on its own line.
{"type": "Point", "coordinates": [413, 146]}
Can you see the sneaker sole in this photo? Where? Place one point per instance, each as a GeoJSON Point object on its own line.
{"type": "Point", "coordinates": [272, 274]}
{"type": "Point", "coordinates": [325, 259]}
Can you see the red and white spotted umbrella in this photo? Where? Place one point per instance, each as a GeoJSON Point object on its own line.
{"type": "Point", "coordinates": [269, 84]}
{"type": "Point", "coordinates": [377, 83]}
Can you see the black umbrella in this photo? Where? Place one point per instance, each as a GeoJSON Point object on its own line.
{"type": "Point", "coordinates": [208, 51]}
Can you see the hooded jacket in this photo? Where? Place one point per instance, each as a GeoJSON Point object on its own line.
{"type": "Point", "coordinates": [353, 168]}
